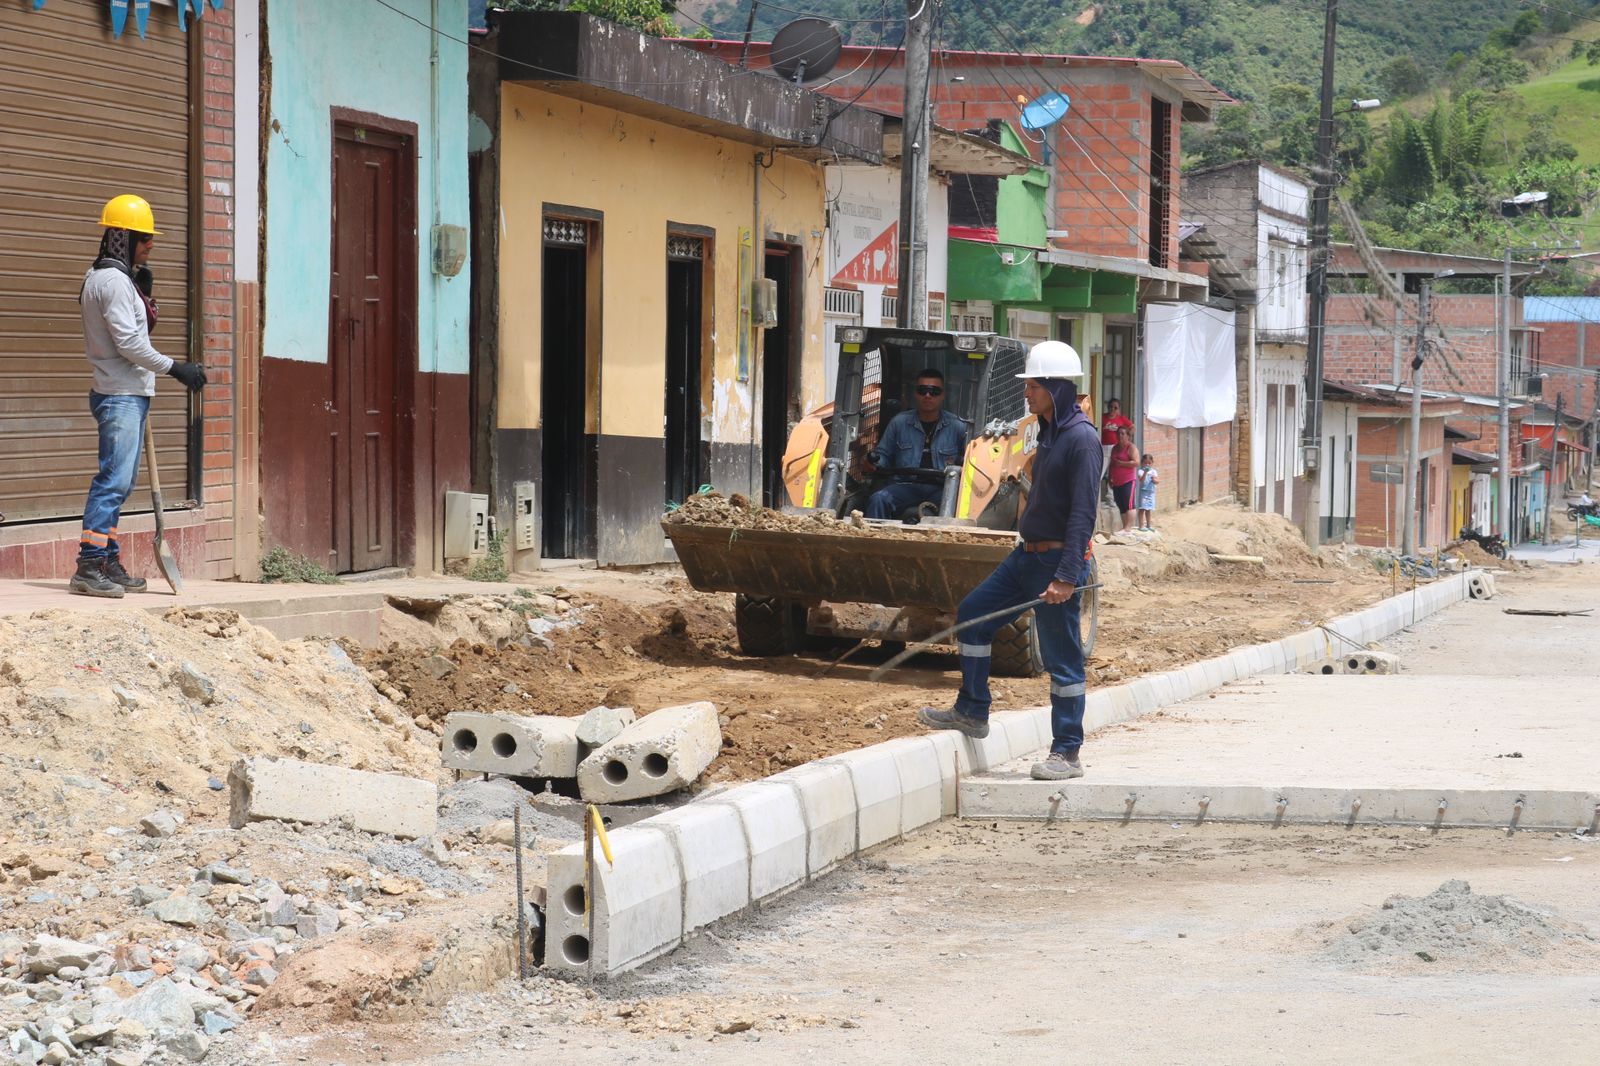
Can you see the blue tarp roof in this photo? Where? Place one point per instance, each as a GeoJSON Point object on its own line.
{"type": "Point", "coordinates": [1561, 309]}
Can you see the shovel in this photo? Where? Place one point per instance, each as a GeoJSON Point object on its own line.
{"type": "Point", "coordinates": [167, 562]}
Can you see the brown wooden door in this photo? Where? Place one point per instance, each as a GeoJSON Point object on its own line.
{"type": "Point", "coordinates": [363, 349]}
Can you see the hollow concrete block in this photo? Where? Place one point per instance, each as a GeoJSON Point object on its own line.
{"type": "Point", "coordinates": [511, 744]}
{"type": "Point", "coordinates": [828, 803]}
{"type": "Point", "coordinates": [916, 762]}
{"type": "Point", "coordinates": [877, 784]}
{"type": "Point", "coordinates": [566, 934]}
{"type": "Point", "coordinates": [714, 857]}
{"type": "Point", "coordinates": [775, 827]}
{"type": "Point", "coordinates": [659, 753]}
{"type": "Point", "coordinates": [287, 790]}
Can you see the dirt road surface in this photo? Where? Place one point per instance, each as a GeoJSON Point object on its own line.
{"type": "Point", "coordinates": [649, 640]}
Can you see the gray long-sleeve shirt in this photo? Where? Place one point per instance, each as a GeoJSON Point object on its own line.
{"type": "Point", "coordinates": [116, 336]}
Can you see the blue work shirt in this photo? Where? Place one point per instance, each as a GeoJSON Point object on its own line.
{"type": "Point", "coordinates": [1065, 500]}
{"type": "Point", "coordinates": [901, 444]}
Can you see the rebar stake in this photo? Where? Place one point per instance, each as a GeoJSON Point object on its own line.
{"type": "Point", "coordinates": [522, 916]}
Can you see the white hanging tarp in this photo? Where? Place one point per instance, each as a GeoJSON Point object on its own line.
{"type": "Point", "coordinates": [1190, 379]}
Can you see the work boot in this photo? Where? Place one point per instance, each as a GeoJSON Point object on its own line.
{"type": "Point", "coordinates": [91, 580]}
{"type": "Point", "coordinates": [966, 725]}
{"type": "Point", "coordinates": [129, 583]}
{"type": "Point", "coordinates": [1058, 767]}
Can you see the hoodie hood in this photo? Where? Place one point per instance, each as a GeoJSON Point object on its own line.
{"type": "Point", "coordinates": [1064, 395]}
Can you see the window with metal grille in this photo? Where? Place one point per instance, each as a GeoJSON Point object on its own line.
{"type": "Point", "coordinates": [566, 231]}
{"type": "Point", "coordinates": [1005, 388]}
{"type": "Point", "coordinates": [1161, 181]}
{"type": "Point", "coordinates": [889, 308]}
{"type": "Point", "coordinates": [678, 247]}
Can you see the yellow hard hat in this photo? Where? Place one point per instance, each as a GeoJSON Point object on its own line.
{"type": "Point", "coordinates": [129, 212]}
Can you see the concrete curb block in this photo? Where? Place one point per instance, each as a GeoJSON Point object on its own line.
{"type": "Point", "coordinates": [828, 805]}
{"type": "Point", "coordinates": [1023, 800]}
{"type": "Point", "coordinates": [798, 824]}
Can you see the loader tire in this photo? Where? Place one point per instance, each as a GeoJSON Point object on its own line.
{"type": "Point", "coordinates": [768, 626]}
{"type": "Point", "coordinates": [1014, 652]}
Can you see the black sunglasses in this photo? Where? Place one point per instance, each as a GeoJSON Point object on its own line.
{"type": "Point", "coordinates": [930, 390]}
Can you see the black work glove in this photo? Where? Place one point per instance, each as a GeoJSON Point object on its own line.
{"type": "Point", "coordinates": [192, 375]}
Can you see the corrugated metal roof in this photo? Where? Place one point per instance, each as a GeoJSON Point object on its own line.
{"type": "Point", "coordinates": [1561, 309]}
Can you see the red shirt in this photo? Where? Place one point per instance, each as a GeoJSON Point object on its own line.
{"type": "Point", "coordinates": [1122, 475]}
{"type": "Point", "coordinates": [1108, 428]}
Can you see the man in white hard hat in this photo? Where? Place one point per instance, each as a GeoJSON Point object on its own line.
{"type": "Point", "coordinates": [1049, 562]}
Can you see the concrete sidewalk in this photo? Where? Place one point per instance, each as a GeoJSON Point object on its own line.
{"type": "Point", "coordinates": [1491, 708]}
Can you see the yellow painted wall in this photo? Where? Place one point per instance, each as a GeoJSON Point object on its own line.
{"type": "Point", "coordinates": [1460, 491]}
{"type": "Point", "coordinates": [642, 174]}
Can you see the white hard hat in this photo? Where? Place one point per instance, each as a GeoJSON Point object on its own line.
{"type": "Point", "coordinates": [1053, 359]}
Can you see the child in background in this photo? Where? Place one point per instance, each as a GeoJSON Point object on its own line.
{"type": "Point", "coordinates": [1145, 479]}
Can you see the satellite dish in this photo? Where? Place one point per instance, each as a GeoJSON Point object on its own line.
{"type": "Point", "coordinates": [805, 48]}
{"type": "Point", "coordinates": [1045, 112]}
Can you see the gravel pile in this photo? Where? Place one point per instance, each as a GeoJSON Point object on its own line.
{"type": "Point", "coordinates": [1452, 924]}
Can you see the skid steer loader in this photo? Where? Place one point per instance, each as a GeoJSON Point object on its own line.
{"type": "Point", "coordinates": [793, 586]}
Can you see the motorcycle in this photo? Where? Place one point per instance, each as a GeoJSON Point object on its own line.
{"type": "Point", "coordinates": [1492, 543]}
{"type": "Point", "coordinates": [1576, 511]}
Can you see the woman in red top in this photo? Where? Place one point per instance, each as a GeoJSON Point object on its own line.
{"type": "Point", "coordinates": [1114, 421]}
{"type": "Point", "coordinates": [1124, 469]}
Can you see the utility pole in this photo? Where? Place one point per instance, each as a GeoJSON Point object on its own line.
{"type": "Point", "coordinates": [749, 28]}
{"type": "Point", "coordinates": [1550, 474]}
{"type": "Point", "coordinates": [914, 144]}
{"type": "Point", "coordinates": [1503, 505]}
{"type": "Point", "coordinates": [1317, 286]}
{"type": "Point", "coordinates": [1408, 534]}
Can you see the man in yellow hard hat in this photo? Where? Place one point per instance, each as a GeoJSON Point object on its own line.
{"type": "Point", "coordinates": [118, 314]}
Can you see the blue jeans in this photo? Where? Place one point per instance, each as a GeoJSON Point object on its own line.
{"type": "Point", "coordinates": [121, 421]}
{"type": "Point", "coordinates": [1024, 576]}
{"type": "Point", "coordinates": [893, 500]}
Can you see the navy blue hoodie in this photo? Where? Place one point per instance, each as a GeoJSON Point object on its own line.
{"type": "Point", "coordinates": [1066, 480]}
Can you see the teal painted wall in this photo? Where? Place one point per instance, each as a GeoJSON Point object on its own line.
{"type": "Point", "coordinates": [360, 55]}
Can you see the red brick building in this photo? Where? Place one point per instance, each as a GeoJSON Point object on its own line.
{"type": "Point", "coordinates": [1114, 156]}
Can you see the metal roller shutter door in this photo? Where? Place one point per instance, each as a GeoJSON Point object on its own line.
{"type": "Point", "coordinates": [83, 117]}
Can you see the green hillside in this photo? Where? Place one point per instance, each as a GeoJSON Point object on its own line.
{"type": "Point", "coordinates": [1245, 46]}
{"type": "Point", "coordinates": [1573, 90]}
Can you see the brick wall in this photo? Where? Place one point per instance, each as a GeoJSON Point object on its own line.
{"type": "Point", "coordinates": [1569, 344]}
{"type": "Point", "coordinates": [1162, 444]}
{"type": "Point", "coordinates": [1379, 506]}
{"type": "Point", "coordinates": [217, 293]}
{"type": "Point", "coordinates": [1360, 351]}
{"type": "Point", "coordinates": [1216, 482]}
{"type": "Point", "coordinates": [1101, 150]}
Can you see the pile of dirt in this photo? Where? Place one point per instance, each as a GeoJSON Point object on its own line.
{"type": "Point", "coordinates": [1471, 553]}
{"type": "Point", "coordinates": [1229, 529]}
{"type": "Point", "coordinates": [739, 512]}
{"type": "Point", "coordinates": [1454, 925]}
{"type": "Point", "coordinates": [102, 718]}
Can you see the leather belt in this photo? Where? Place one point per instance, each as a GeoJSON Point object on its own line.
{"type": "Point", "coordinates": [1042, 546]}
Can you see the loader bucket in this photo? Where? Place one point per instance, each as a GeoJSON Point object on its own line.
{"type": "Point", "coordinates": [921, 569]}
